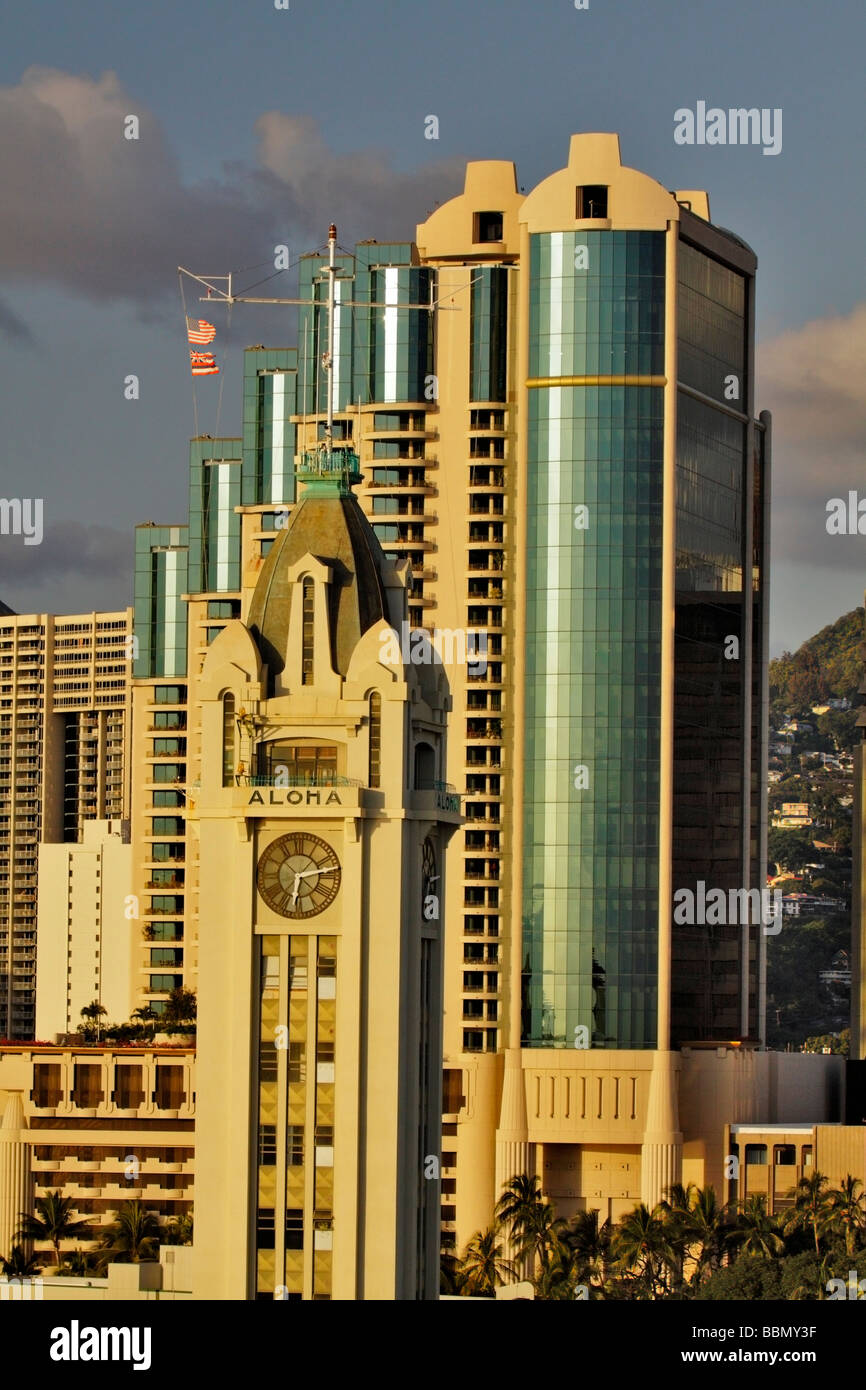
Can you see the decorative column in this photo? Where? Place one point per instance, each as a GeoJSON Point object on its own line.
{"type": "Point", "coordinates": [514, 1153]}
{"type": "Point", "coordinates": [662, 1149]}
{"type": "Point", "coordinates": [14, 1172]}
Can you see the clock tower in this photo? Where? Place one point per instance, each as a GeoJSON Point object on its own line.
{"type": "Point", "coordinates": [322, 821]}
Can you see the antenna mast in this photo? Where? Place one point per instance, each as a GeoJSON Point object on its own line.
{"type": "Point", "coordinates": [329, 362]}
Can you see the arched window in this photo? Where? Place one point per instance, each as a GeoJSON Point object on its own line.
{"type": "Point", "coordinates": [425, 767]}
{"type": "Point", "coordinates": [307, 601]}
{"type": "Point", "coordinates": [228, 740]}
{"type": "Point", "coordinates": [375, 739]}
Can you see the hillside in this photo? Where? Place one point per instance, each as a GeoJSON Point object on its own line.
{"type": "Point", "coordinates": [829, 664]}
{"type": "Point", "coordinates": [808, 963]}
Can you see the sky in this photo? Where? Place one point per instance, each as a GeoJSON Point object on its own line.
{"type": "Point", "coordinates": [258, 126]}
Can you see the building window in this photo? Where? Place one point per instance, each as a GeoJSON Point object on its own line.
{"type": "Point", "coordinates": [756, 1155]}
{"type": "Point", "coordinates": [807, 1155]}
{"type": "Point", "coordinates": [169, 1093]}
{"type": "Point", "coordinates": [265, 1229]}
{"type": "Point", "coordinates": [294, 1229]}
{"type": "Point", "coordinates": [375, 738]}
{"type": "Point", "coordinates": [425, 767]}
{"type": "Point", "coordinates": [307, 600]}
{"type": "Point", "coordinates": [47, 1085]}
{"type": "Point", "coordinates": [488, 226]}
{"type": "Point", "coordinates": [785, 1154]}
{"type": "Point", "coordinates": [591, 201]}
{"type": "Point", "coordinates": [228, 739]}
{"type": "Point", "coordinates": [295, 1145]}
{"type": "Point", "coordinates": [87, 1091]}
{"type": "Point", "coordinates": [298, 764]}
{"type": "Point", "coordinates": [297, 1063]}
{"type": "Point", "coordinates": [128, 1089]}
{"type": "Point", "coordinates": [452, 1090]}
{"type": "Point", "coordinates": [267, 1146]}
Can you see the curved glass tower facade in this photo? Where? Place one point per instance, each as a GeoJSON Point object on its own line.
{"type": "Point", "coordinates": [593, 633]}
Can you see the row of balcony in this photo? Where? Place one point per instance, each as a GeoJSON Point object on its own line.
{"type": "Point", "coordinates": [113, 1166]}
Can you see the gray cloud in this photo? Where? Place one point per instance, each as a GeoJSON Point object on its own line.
{"type": "Point", "coordinates": [111, 218]}
{"type": "Point", "coordinates": [15, 328]}
{"type": "Point", "coordinates": [70, 551]}
{"type": "Point", "coordinates": [813, 379]}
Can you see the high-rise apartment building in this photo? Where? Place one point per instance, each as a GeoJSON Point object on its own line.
{"type": "Point", "coordinates": [64, 730]}
{"type": "Point", "coordinates": [86, 934]}
{"type": "Point", "coordinates": [610, 340]}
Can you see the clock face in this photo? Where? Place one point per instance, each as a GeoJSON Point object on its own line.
{"type": "Point", "coordinates": [298, 875]}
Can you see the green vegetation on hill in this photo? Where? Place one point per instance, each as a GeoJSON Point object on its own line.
{"type": "Point", "coordinates": [828, 666]}
{"type": "Point", "coordinates": [805, 1010]}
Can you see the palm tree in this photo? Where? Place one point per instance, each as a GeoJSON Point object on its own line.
{"type": "Point", "coordinates": [516, 1207]}
{"type": "Point", "coordinates": [675, 1209]}
{"type": "Point", "coordinates": [52, 1222]}
{"type": "Point", "coordinates": [811, 1206]}
{"type": "Point", "coordinates": [558, 1279]}
{"type": "Point", "coordinates": [93, 1013]}
{"type": "Point", "coordinates": [452, 1276]}
{"type": "Point", "coordinates": [20, 1265]}
{"type": "Point", "coordinates": [179, 1230]}
{"type": "Point", "coordinates": [515, 1210]}
{"type": "Point", "coordinates": [755, 1232]}
{"type": "Point", "coordinates": [589, 1243]}
{"type": "Point", "coordinates": [641, 1244]}
{"type": "Point", "coordinates": [679, 1198]}
{"type": "Point", "coordinates": [542, 1241]}
{"type": "Point", "coordinates": [534, 1228]}
{"type": "Point", "coordinates": [485, 1265]}
{"type": "Point", "coordinates": [78, 1263]}
{"type": "Point", "coordinates": [845, 1209]}
{"type": "Point", "coordinates": [133, 1236]}
{"type": "Point", "coordinates": [705, 1226]}
{"type": "Point", "coordinates": [180, 1006]}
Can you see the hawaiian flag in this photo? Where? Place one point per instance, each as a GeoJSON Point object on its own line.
{"type": "Point", "coordinates": [200, 331]}
{"type": "Point", "coordinates": [203, 364]}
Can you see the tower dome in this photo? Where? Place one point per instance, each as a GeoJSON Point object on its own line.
{"type": "Point", "coordinates": [328, 524]}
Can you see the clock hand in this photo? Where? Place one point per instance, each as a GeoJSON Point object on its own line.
{"type": "Point", "coordinates": [308, 873]}
{"type": "Point", "coordinates": [295, 894]}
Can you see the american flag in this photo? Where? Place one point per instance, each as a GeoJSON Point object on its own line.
{"type": "Point", "coordinates": [203, 364]}
{"type": "Point", "coordinates": [200, 331]}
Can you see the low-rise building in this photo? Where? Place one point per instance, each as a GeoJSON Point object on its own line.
{"type": "Point", "coordinates": [772, 1158]}
{"type": "Point", "coordinates": [102, 1125]}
